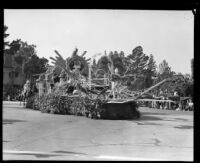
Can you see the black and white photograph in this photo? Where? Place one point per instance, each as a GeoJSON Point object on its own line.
{"type": "Point", "coordinates": [98, 85]}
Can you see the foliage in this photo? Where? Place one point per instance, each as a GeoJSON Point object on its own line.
{"type": "Point", "coordinates": [57, 104]}
{"type": "Point", "coordinates": [27, 50]}
{"type": "Point", "coordinates": [117, 59]}
{"type": "Point", "coordinates": [34, 65]}
{"type": "Point", "coordinates": [179, 83]}
{"type": "Point", "coordinates": [30, 102]}
{"type": "Point", "coordinates": [183, 85]}
{"type": "Point", "coordinates": [150, 71]}
{"type": "Point", "coordinates": [192, 67]}
{"type": "Point", "coordinates": [105, 61]}
{"type": "Point", "coordinates": [136, 64]}
{"type": "Point", "coordinates": [137, 61]}
{"type": "Point", "coordinates": [6, 43]}
{"type": "Point", "coordinates": [14, 47]}
{"type": "Point", "coordinates": [25, 57]}
{"type": "Point", "coordinates": [102, 64]}
{"type": "Point", "coordinates": [164, 70]}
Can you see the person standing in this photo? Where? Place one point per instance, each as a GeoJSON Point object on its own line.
{"type": "Point", "coordinates": [175, 93]}
{"type": "Point", "coordinates": [8, 97]}
{"type": "Point", "coordinates": [190, 105]}
{"type": "Point", "coordinates": [154, 102]}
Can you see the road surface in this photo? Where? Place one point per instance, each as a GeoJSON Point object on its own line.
{"type": "Point", "coordinates": [158, 135]}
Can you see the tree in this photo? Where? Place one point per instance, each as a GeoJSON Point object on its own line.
{"type": "Point", "coordinates": [137, 61]}
{"type": "Point", "coordinates": [183, 85]}
{"type": "Point", "coordinates": [14, 46]}
{"type": "Point", "coordinates": [136, 64]}
{"type": "Point", "coordinates": [121, 54]}
{"type": "Point", "coordinates": [42, 64]}
{"type": "Point", "coordinates": [34, 65]}
{"type": "Point", "coordinates": [179, 83]}
{"type": "Point", "coordinates": [102, 64]}
{"type": "Point", "coordinates": [164, 68]}
{"type": "Point", "coordinates": [150, 71]}
{"type": "Point", "coordinates": [164, 71]}
{"type": "Point", "coordinates": [117, 61]}
{"type": "Point", "coordinates": [25, 51]}
{"type": "Point", "coordinates": [6, 43]}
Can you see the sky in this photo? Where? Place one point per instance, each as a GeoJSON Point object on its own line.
{"type": "Point", "coordinates": [167, 34]}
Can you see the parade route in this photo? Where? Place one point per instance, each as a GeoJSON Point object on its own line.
{"type": "Point", "coordinates": [159, 135]}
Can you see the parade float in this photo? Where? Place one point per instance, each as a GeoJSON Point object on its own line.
{"type": "Point", "coordinates": [72, 88]}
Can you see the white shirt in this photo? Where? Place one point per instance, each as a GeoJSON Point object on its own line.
{"type": "Point", "coordinates": [190, 104]}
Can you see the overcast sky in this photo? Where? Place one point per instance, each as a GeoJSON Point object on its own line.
{"type": "Point", "coordinates": [167, 35]}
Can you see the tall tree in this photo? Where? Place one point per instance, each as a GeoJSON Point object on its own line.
{"type": "Point", "coordinates": [150, 71]}
{"type": "Point", "coordinates": [136, 64]}
{"type": "Point", "coordinates": [164, 71]}
{"type": "Point", "coordinates": [137, 61]}
{"type": "Point", "coordinates": [164, 68]}
{"type": "Point", "coordinates": [117, 61]}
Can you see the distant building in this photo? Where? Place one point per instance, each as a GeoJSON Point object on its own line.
{"type": "Point", "coordinates": [11, 76]}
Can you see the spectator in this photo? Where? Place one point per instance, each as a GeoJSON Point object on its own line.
{"type": "Point", "coordinates": [178, 109]}
{"type": "Point", "coordinates": [8, 97]}
{"type": "Point", "coordinates": [184, 104]}
{"type": "Point", "coordinates": [190, 105]}
{"type": "Point", "coordinates": [154, 102]}
{"type": "Point", "coordinates": [175, 93]}
{"type": "Point", "coordinates": [162, 103]}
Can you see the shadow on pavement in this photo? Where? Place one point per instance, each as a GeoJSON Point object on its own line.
{"type": "Point", "coordinates": [183, 127]}
{"type": "Point", "coordinates": [69, 152]}
{"type": "Point", "coordinates": [145, 117]}
{"type": "Point", "coordinates": [37, 155]}
{"type": "Point", "coordinates": [11, 121]}
{"type": "Point", "coordinates": [181, 119]}
{"type": "Point", "coordinates": [5, 141]}
{"type": "Point", "coordinates": [153, 113]}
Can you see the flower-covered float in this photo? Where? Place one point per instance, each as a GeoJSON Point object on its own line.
{"type": "Point", "coordinates": [78, 92]}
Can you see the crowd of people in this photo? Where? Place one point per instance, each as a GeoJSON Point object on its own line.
{"type": "Point", "coordinates": [176, 102]}
{"type": "Point", "coordinates": [185, 105]}
{"type": "Point", "coordinates": [12, 93]}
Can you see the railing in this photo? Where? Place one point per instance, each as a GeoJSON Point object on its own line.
{"type": "Point", "coordinates": [169, 102]}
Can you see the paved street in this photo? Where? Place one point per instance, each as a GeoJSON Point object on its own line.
{"type": "Point", "coordinates": [158, 135]}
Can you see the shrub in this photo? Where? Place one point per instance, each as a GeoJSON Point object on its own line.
{"type": "Point", "coordinates": [30, 102]}
{"type": "Point", "coordinates": [36, 102]}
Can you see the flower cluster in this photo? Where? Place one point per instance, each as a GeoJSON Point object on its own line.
{"type": "Point", "coordinates": [58, 104]}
